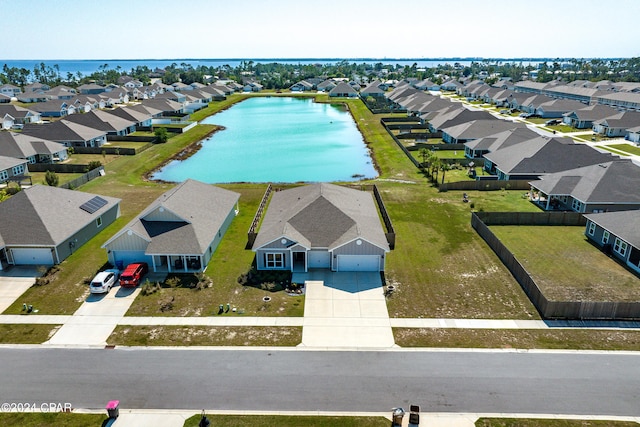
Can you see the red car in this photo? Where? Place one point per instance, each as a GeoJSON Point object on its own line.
{"type": "Point", "coordinates": [132, 275]}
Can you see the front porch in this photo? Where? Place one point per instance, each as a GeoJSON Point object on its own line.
{"type": "Point", "coordinates": [177, 263]}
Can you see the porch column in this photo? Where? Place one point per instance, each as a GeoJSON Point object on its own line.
{"type": "Point", "coordinates": [548, 200]}
{"type": "Point", "coordinates": [184, 263]}
{"type": "Point", "coordinates": [153, 262]}
{"type": "Point", "coordinates": [169, 263]}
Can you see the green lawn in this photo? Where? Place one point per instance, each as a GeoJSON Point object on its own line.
{"type": "Point", "coordinates": [26, 333]}
{"type": "Point", "coordinates": [58, 419]}
{"type": "Point", "coordinates": [627, 148]}
{"type": "Point", "coordinates": [288, 421]}
{"type": "Point", "coordinates": [613, 150]}
{"type": "Point", "coordinates": [39, 177]}
{"type": "Point", "coordinates": [585, 273]}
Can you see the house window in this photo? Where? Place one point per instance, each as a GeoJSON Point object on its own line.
{"type": "Point", "coordinates": [18, 170]}
{"type": "Point", "coordinates": [605, 237]}
{"type": "Point", "coordinates": [275, 260]}
{"type": "Point", "coordinates": [4, 175]}
{"type": "Point", "coordinates": [576, 205]}
{"type": "Point", "coordinates": [620, 247]}
{"type": "Point", "coordinates": [99, 221]}
{"type": "Point", "coordinates": [592, 228]}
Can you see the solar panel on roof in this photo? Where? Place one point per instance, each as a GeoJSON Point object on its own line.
{"type": "Point", "coordinates": [94, 204]}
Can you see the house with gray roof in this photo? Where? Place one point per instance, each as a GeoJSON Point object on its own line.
{"type": "Point", "coordinates": [633, 134]}
{"type": "Point", "coordinates": [12, 169]}
{"type": "Point", "coordinates": [603, 187]}
{"type": "Point", "coordinates": [621, 100]}
{"type": "Point", "coordinates": [583, 118]}
{"type": "Point", "coordinates": [326, 85]}
{"type": "Point", "coordinates": [618, 234]}
{"type": "Point", "coordinates": [91, 89]}
{"type": "Point", "coordinates": [474, 129]}
{"type": "Point", "coordinates": [541, 156]}
{"type": "Point", "coordinates": [343, 90]}
{"type": "Point", "coordinates": [617, 125]}
{"type": "Point", "coordinates": [13, 114]}
{"type": "Point", "coordinates": [140, 118]}
{"type": "Point", "coordinates": [30, 96]}
{"type": "Point", "coordinates": [102, 120]}
{"type": "Point", "coordinates": [458, 116]}
{"type": "Point", "coordinates": [322, 226]}
{"type": "Point", "coordinates": [31, 149]}
{"type": "Point", "coordinates": [67, 133]}
{"type": "Point", "coordinates": [479, 147]}
{"type": "Point", "coordinates": [179, 231]}
{"type": "Point", "coordinates": [373, 89]}
{"type": "Point", "coordinates": [301, 86]}
{"type": "Point", "coordinates": [10, 90]}
{"type": "Point", "coordinates": [557, 107]}
{"type": "Point", "coordinates": [43, 225]}
{"type": "Point", "coordinates": [53, 108]}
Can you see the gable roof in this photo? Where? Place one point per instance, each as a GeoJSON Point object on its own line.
{"type": "Point", "coordinates": [503, 139]}
{"type": "Point", "coordinates": [545, 155]}
{"type": "Point", "coordinates": [200, 210]}
{"type": "Point", "coordinates": [342, 88]}
{"type": "Point", "coordinates": [21, 146]}
{"type": "Point", "coordinates": [624, 224]}
{"type": "Point", "coordinates": [43, 215]}
{"type": "Point", "coordinates": [479, 128]}
{"type": "Point", "coordinates": [593, 112]}
{"type": "Point", "coordinates": [63, 130]}
{"type": "Point", "coordinates": [611, 182]}
{"type": "Point", "coordinates": [101, 120]}
{"type": "Point", "coordinates": [322, 216]}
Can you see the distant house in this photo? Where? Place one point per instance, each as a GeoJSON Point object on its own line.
{"type": "Point", "coordinates": [321, 226]}
{"type": "Point", "coordinates": [252, 87]}
{"type": "Point", "coordinates": [458, 116]}
{"type": "Point", "coordinates": [68, 133]}
{"type": "Point", "coordinates": [541, 156]}
{"type": "Point", "coordinates": [61, 92]}
{"type": "Point", "coordinates": [30, 97]}
{"type": "Point", "coordinates": [31, 149]}
{"type": "Point", "coordinates": [43, 225]}
{"type": "Point", "coordinates": [301, 86]}
{"type": "Point", "coordinates": [426, 84]}
{"type": "Point", "coordinates": [618, 234]}
{"type": "Point", "coordinates": [617, 125]}
{"type": "Point", "coordinates": [104, 121]}
{"type": "Point", "coordinates": [584, 117]}
{"type": "Point", "coordinates": [140, 118]}
{"type": "Point", "coordinates": [11, 169]}
{"type": "Point", "coordinates": [557, 107]}
{"type": "Point", "coordinates": [479, 147]}
{"type": "Point", "coordinates": [91, 89]}
{"type": "Point", "coordinates": [374, 89]}
{"type": "Point", "coordinates": [450, 85]}
{"type": "Point", "coordinates": [604, 187]}
{"type": "Point", "coordinates": [326, 85]}
{"type": "Point", "coordinates": [474, 129]}
{"type": "Point", "coordinates": [633, 134]}
{"type": "Point", "coordinates": [343, 90]}
{"type": "Point", "coordinates": [10, 90]}
{"type": "Point", "coordinates": [179, 231]}
{"type": "Point", "coordinates": [18, 115]}
{"type": "Point", "coordinates": [53, 108]}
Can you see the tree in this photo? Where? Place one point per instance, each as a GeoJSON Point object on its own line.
{"type": "Point", "coordinates": [51, 179]}
{"type": "Point", "coordinates": [161, 135]}
{"type": "Point", "coordinates": [424, 155]}
{"type": "Point", "coordinates": [444, 167]}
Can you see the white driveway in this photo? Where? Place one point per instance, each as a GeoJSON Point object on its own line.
{"type": "Point", "coordinates": [344, 310]}
{"type": "Point", "coordinates": [95, 320]}
{"type": "Point", "coordinates": [15, 282]}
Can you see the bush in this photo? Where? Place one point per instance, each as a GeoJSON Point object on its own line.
{"type": "Point", "coordinates": [94, 164]}
{"type": "Point", "coordinates": [161, 135]}
{"type": "Point", "coordinates": [51, 178]}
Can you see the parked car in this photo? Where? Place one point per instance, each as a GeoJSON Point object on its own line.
{"type": "Point", "coordinates": [104, 281]}
{"type": "Point", "coordinates": [133, 273]}
{"type": "Point", "coordinates": [552, 122]}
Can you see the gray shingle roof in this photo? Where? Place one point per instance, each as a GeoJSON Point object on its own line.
{"type": "Point", "coordinates": [503, 139]}
{"type": "Point", "coordinates": [21, 146]}
{"type": "Point", "coordinates": [612, 182]}
{"type": "Point", "coordinates": [480, 128]}
{"type": "Point", "coordinates": [322, 216]}
{"type": "Point", "coordinates": [624, 224]}
{"type": "Point", "coordinates": [201, 209]}
{"type": "Point", "coordinates": [43, 215]}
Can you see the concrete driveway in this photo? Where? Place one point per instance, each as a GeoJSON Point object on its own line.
{"type": "Point", "coordinates": [14, 282]}
{"type": "Point", "coordinates": [344, 310]}
{"type": "Point", "coordinates": [95, 320]}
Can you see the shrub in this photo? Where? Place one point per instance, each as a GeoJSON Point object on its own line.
{"type": "Point", "coordinates": [161, 135]}
{"type": "Point", "coordinates": [94, 164]}
{"type": "Point", "coordinates": [51, 178]}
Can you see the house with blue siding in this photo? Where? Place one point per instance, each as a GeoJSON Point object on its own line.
{"type": "Point", "coordinates": [618, 234]}
{"type": "Point", "coordinates": [179, 231]}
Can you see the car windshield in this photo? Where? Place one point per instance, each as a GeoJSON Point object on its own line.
{"type": "Point", "coordinates": [96, 284]}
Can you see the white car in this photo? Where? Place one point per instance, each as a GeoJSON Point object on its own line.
{"type": "Point", "coordinates": [104, 281]}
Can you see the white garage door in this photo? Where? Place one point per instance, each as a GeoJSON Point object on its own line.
{"type": "Point", "coordinates": [319, 259]}
{"type": "Point", "coordinates": [29, 256]}
{"type": "Point", "coordinates": [358, 263]}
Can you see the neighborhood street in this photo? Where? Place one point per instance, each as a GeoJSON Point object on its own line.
{"type": "Point", "coordinates": [302, 380]}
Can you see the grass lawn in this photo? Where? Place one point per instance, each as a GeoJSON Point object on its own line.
{"type": "Point", "coordinates": [58, 419]}
{"type": "Point", "coordinates": [627, 148]}
{"type": "Point", "coordinates": [578, 339]}
{"type": "Point", "coordinates": [562, 128]}
{"type": "Point", "coordinates": [585, 273]}
{"type": "Point", "coordinates": [26, 333]}
{"type": "Point", "coordinates": [613, 150]}
{"type": "Point", "coordinates": [288, 421]}
{"type": "Point", "coordinates": [205, 336]}
{"type": "Point", "coordinates": [39, 177]}
{"type": "Point", "coordinates": [126, 144]}
{"type": "Point", "coordinates": [533, 422]}
{"type": "Point", "coordinates": [84, 159]}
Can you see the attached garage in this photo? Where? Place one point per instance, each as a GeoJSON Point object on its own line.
{"type": "Point", "coordinates": [128, 257]}
{"type": "Point", "coordinates": [318, 259]}
{"type": "Point", "coordinates": [32, 256]}
{"type": "Point", "coordinates": [358, 263]}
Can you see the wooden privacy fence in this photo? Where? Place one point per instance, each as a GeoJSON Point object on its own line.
{"type": "Point", "coordinates": [92, 174]}
{"type": "Point", "coordinates": [608, 310]}
{"type": "Point", "coordinates": [487, 185]}
{"type": "Point", "coordinates": [253, 229]}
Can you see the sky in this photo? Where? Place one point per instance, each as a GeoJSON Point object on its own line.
{"type": "Point", "coordinates": [168, 29]}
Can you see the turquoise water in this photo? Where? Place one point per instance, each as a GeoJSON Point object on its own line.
{"type": "Point", "coordinates": [278, 139]}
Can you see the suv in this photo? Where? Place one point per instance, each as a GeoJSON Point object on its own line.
{"type": "Point", "coordinates": [103, 282]}
{"type": "Point", "coordinates": [133, 273]}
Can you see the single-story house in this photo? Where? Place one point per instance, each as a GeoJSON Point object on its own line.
{"type": "Point", "coordinates": [474, 129]}
{"type": "Point", "coordinates": [103, 121]}
{"type": "Point", "coordinates": [43, 225]}
{"type": "Point", "coordinates": [479, 147]}
{"type": "Point", "coordinates": [343, 90]}
{"type": "Point", "coordinates": [583, 118]}
{"type": "Point", "coordinates": [53, 108]}
{"type": "Point", "coordinates": [68, 133]}
{"type": "Point", "coordinates": [321, 226]}
{"type": "Point", "coordinates": [140, 118]}
{"type": "Point", "coordinates": [301, 86]}
{"type": "Point", "coordinates": [618, 124]}
{"type": "Point", "coordinates": [31, 149]}
{"type": "Point", "coordinates": [604, 187]}
{"type": "Point", "coordinates": [557, 107]}
{"type": "Point", "coordinates": [618, 234]}
{"type": "Point", "coordinates": [179, 231]}
{"type": "Point", "coordinates": [11, 167]}
{"type": "Point", "coordinates": [9, 90]}
{"type": "Point", "coordinates": [633, 134]}
{"type": "Point", "coordinates": [375, 89]}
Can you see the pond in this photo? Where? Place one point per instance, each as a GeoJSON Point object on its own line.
{"type": "Point", "coordinates": [278, 139]}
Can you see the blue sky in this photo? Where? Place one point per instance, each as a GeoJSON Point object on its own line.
{"type": "Point", "coordinates": [131, 29]}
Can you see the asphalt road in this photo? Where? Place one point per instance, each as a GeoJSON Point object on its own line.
{"type": "Point", "coordinates": [509, 382]}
